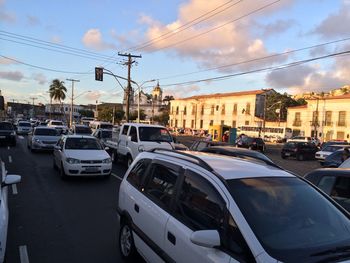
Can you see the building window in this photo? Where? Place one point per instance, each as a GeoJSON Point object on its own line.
{"type": "Point", "coordinates": [222, 122]}
{"type": "Point", "coordinates": [247, 108]}
{"type": "Point", "coordinates": [185, 110]}
{"type": "Point", "coordinates": [246, 123]}
{"type": "Point", "coordinates": [341, 118]}
{"type": "Point", "coordinates": [328, 120]}
{"type": "Point", "coordinates": [217, 107]}
{"type": "Point", "coordinates": [234, 124]}
{"type": "Point", "coordinates": [171, 123]}
{"type": "Point", "coordinates": [201, 124]}
{"type": "Point", "coordinates": [193, 109]}
{"type": "Point", "coordinates": [172, 109]}
{"type": "Point", "coordinates": [202, 109]}
{"type": "Point", "coordinates": [211, 123]}
{"type": "Point", "coordinates": [223, 109]}
{"type": "Point", "coordinates": [177, 110]}
{"type": "Point", "coordinates": [235, 108]}
{"type": "Point", "coordinates": [192, 124]}
{"type": "Point", "coordinates": [176, 123]}
{"type": "Point", "coordinates": [212, 109]}
{"type": "Point", "coordinates": [184, 124]}
{"type": "Point", "coordinates": [297, 119]}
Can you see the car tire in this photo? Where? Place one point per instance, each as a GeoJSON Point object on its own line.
{"type": "Point", "coordinates": [126, 241]}
{"type": "Point", "coordinates": [128, 160]}
{"type": "Point", "coordinates": [300, 157]}
{"type": "Point", "coordinates": [62, 173]}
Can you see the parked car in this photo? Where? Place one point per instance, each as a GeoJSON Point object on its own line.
{"type": "Point", "coordinates": [24, 127]}
{"type": "Point", "coordinates": [81, 129]}
{"type": "Point", "coordinates": [325, 144]}
{"type": "Point", "coordinates": [321, 155]}
{"type": "Point", "coordinates": [76, 155]}
{"type": "Point", "coordinates": [43, 138]}
{"type": "Point", "coordinates": [345, 164]}
{"type": "Point", "coordinates": [299, 150]}
{"type": "Point", "coordinates": [313, 140]}
{"type": "Point", "coordinates": [102, 135]}
{"type": "Point", "coordinates": [333, 160]}
{"type": "Point", "coordinates": [239, 153]}
{"type": "Point", "coordinates": [58, 125]}
{"type": "Point", "coordinates": [6, 180]}
{"type": "Point", "coordinates": [201, 144]}
{"type": "Point", "coordinates": [7, 133]}
{"type": "Point", "coordinates": [252, 143]}
{"type": "Point", "coordinates": [195, 207]}
{"type": "Point", "coordinates": [334, 182]}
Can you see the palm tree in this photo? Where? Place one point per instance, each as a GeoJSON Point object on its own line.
{"type": "Point", "coordinates": [57, 91]}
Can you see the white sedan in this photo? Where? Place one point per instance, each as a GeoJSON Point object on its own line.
{"type": "Point", "coordinates": [76, 155]}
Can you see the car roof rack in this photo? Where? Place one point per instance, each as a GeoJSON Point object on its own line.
{"type": "Point", "coordinates": [195, 160]}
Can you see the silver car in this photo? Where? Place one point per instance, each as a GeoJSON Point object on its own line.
{"type": "Point", "coordinates": [43, 138]}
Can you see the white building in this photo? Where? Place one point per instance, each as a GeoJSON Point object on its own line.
{"type": "Point", "coordinates": [234, 109]}
{"type": "Point", "coordinates": [328, 117]}
{"type": "Point", "coordinates": [62, 111]}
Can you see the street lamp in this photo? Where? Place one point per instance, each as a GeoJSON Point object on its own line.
{"type": "Point", "coordinates": [139, 94]}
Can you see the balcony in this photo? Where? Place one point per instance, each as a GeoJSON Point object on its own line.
{"type": "Point", "coordinates": [314, 124]}
{"type": "Point", "coordinates": [297, 123]}
{"type": "Point", "coordinates": [341, 124]}
{"type": "Point", "coordinates": [328, 123]}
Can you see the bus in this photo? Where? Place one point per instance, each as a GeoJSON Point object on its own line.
{"type": "Point", "coordinates": [272, 134]}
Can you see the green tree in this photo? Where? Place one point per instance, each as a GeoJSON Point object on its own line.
{"type": "Point", "coordinates": [106, 114]}
{"type": "Point", "coordinates": [163, 118]}
{"type": "Point", "coordinates": [133, 115]}
{"type": "Point", "coordinates": [57, 90]}
{"type": "Point", "coordinates": [86, 113]}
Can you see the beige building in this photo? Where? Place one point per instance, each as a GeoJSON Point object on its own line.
{"type": "Point", "coordinates": [328, 117]}
{"type": "Point", "coordinates": [234, 109]}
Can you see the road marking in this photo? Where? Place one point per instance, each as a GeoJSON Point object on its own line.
{"type": "Point", "coordinates": [23, 254]}
{"type": "Point", "coordinates": [21, 137]}
{"type": "Point", "coordinates": [116, 176]}
{"type": "Point", "coordinates": [8, 147]}
{"type": "Point", "coordinates": [10, 159]}
{"type": "Point", "coordinates": [14, 189]}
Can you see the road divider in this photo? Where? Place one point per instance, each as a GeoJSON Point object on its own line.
{"type": "Point", "coordinates": [14, 189]}
{"type": "Point", "coordinates": [116, 176]}
{"type": "Point", "coordinates": [10, 159]}
{"type": "Point", "coordinates": [23, 254]}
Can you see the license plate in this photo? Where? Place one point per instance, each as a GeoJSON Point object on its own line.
{"type": "Point", "coordinates": [91, 169]}
{"type": "Point", "coordinates": [287, 154]}
{"type": "Point", "coordinates": [2, 137]}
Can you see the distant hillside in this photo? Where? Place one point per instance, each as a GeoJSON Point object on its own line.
{"type": "Point", "coordinates": [335, 92]}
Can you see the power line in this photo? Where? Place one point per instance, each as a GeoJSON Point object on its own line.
{"type": "Point", "coordinates": [217, 27]}
{"type": "Point", "coordinates": [185, 26]}
{"type": "Point", "coordinates": [44, 68]}
{"type": "Point", "coordinates": [258, 59]}
{"type": "Point", "coordinates": [271, 68]}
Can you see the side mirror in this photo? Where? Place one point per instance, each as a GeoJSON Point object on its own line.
{"type": "Point", "coordinates": [11, 179]}
{"type": "Point", "coordinates": [206, 238]}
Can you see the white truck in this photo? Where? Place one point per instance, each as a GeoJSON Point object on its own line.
{"type": "Point", "coordinates": [133, 138]}
{"type": "Point", "coordinates": [58, 125]}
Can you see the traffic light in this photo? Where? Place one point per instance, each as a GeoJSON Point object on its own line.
{"type": "Point", "coordinates": [99, 74]}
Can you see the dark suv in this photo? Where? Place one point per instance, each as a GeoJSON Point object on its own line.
{"type": "Point", "coordinates": [252, 143]}
{"type": "Point", "coordinates": [299, 150]}
{"type": "Point", "coordinates": [7, 133]}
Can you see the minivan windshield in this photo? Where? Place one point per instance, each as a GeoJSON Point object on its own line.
{"type": "Point", "coordinates": [154, 134]}
{"type": "Point", "coordinates": [46, 132]}
{"type": "Point", "coordinates": [292, 220]}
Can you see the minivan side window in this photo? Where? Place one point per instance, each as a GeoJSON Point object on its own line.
{"type": "Point", "coordinates": [199, 206]}
{"type": "Point", "coordinates": [138, 172]}
{"type": "Point", "coordinates": [125, 129]}
{"type": "Point", "coordinates": [161, 184]}
{"type": "Point", "coordinates": [133, 134]}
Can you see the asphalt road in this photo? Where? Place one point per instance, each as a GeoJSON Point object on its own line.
{"type": "Point", "coordinates": [59, 221]}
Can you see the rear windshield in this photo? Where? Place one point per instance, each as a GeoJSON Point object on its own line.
{"type": "Point", "coordinates": [6, 126]}
{"type": "Point", "coordinates": [292, 220]}
{"type": "Point", "coordinates": [154, 134]}
{"type": "Point", "coordinates": [83, 130]}
{"type": "Point", "coordinates": [24, 124]}
{"type": "Point", "coordinates": [332, 148]}
{"type": "Point", "coordinates": [46, 132]}
{"type": "Point", "coordinates": [82, 144]}
{"type": "Point", "coordinates": [56, 123]}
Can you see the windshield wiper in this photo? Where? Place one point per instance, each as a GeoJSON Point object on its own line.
{"type": "Point", "coordinates": [332, 251]}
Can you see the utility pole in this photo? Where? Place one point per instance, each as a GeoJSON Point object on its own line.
{"type": "Point", "coordinates": [128, 88]}
{"type": "Point", "coordinates": [71, 102]}
{"type": "Point", "coordinates": [316, 119]}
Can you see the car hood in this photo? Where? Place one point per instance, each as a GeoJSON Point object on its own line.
{"type": "Point", "coordinates": [46, 138]}
{"type": "Point", "coordinates": [87, 154]}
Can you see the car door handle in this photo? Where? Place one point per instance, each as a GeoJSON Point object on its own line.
{"type": "Point", "coordinates": [171, 238]}
{"type": "Point", "coordinates": [137, 208]}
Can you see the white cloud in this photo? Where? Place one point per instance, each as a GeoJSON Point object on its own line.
{"type": "Point", "coordinates": [5, 61]}
{"type": "Point", "coordinates": [7, 17]}
{"type": "Point", "coordinates": [93, 39]}
{"type": "Point", "coordinates": [94, 95]}
{"type": "Point", "coordinates": [181, 91]}
{"type": "Point", "coordinates": [56, 40]}
{"type": "Point", "coordinates": [33, 20]}
{"type": "Point", "coordinates": [12, 75]}
{"type": "Point", "coordinates": [40, 78]}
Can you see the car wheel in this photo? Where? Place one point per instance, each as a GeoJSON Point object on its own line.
{"type": "Point", "coordinates": [128, 161]}
{"type": "Point", "coordinates": [300, 157]}
{"type": "Point", "coordinates": [126, 241]}
{"type": "Point", "coordinates": [62, 173]}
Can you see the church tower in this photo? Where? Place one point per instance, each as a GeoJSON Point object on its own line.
{"type": "Point", "coordinates": [157, 94]}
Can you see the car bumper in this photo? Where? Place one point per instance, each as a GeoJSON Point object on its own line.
{"type": "Point", "coordinates": [42, 146]}
{"type": "Point", "coordinates": [88, 169]}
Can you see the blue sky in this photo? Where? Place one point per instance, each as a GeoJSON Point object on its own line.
{"type": "Point", "coordinates": [171, 48]}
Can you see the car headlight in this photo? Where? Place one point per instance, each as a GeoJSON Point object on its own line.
{"type": "Point", "coordinates": [107, 160]}
{"type": "Point", "coordinates": [72, 161]}
{"type": "Point", "coordinates": [37, 141]}
{"type": "Point", "coordinates": [13, 133]}
{"type": "Point", "coordinates": [141, 148]}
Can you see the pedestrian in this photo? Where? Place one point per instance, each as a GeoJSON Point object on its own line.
{"type": "Point", "coordinates": [346, 154]}
{"type": "Point", "coordinates": [209, 137]}
{"type": "Point", "coordinates": [225, 137]}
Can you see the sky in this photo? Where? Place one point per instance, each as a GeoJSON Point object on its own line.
{"type": "Point", "coordinates": [191, 47]}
